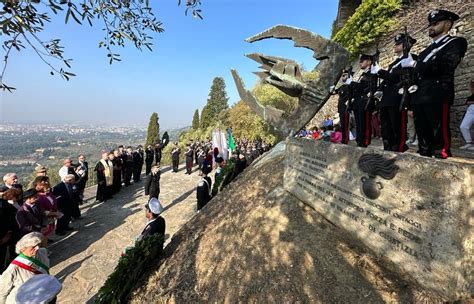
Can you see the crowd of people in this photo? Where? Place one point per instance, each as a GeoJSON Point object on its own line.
{"type": "Point", "coordinates": [415, 91]}
{"type": "Point", "coordinates": [33, 213]}
{"type": "Point", "coordinates": [30, 215]}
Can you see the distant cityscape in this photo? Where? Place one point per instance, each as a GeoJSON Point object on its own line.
{"type": "Point", "coordinates": [23, 146]}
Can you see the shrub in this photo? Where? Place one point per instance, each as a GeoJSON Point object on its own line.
{"type": "Point", "coordinates": [130, 270]}
{"type": "Point", "coordinates": [371, 19]}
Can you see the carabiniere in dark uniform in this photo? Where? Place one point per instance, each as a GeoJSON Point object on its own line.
{"type": "Point", "coordinates": [393, 119]}
{"type": "Point", "coordinates": [344, 104]}
{"type": "Point", "coordinates": [363, 106]}
{"type": "Point", "coordinates": [435, 68]}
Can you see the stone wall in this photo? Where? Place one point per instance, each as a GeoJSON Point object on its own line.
{"type": "Point", "coordinates": [415, 17]}
{"type": "Point", "coordinates": [412, 212]}
{"type": "Point", "coordinates": [345, 10]}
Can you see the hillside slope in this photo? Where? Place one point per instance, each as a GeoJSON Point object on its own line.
{"type": "Point", "coordinates": [255, 242]}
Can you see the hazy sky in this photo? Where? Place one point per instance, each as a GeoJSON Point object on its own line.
{"type": "Point", "coordinates": [173, 80]}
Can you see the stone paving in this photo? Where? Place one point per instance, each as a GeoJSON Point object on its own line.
{"type": "Point", "coordinates": [83, 260]}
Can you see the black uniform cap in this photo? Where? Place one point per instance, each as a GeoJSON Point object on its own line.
{"type": "Point", "coordinates": [400, 37]}
{"type": "Point", "coordinates": [366, 57]}
{"type": "Point", "coordinates": [439, 15]}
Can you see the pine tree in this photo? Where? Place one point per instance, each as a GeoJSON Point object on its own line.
{"type": "Point", "coordinates": [216, 103]}
{"type": "Point", "coordinates": [153, 133]}
{"type": "Point", "coordinates": [195, 125]}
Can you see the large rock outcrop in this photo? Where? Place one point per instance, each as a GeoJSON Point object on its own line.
{"type": "Point", "coordinates": [254, 242]}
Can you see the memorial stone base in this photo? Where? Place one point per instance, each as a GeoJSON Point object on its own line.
{"type": "Point", "coordinates": [416, 212]}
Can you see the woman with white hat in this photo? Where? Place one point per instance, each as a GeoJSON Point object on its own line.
{"type": "Point", "coordinates": [32, 260]}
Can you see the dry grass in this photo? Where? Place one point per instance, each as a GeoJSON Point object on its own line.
{"type": "Point", "coordinates": [256, 243]}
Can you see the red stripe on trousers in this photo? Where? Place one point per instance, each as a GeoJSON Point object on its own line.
{"type": "Point", "coordinates": [367, 128]}
{"type": "Point", "coordinates": [403, 130]}
{"type": "Point", "coordinates": [346, 128]}
{"type": "Point", "coordinates": [444, 126]}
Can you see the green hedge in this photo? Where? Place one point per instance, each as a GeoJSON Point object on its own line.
{"type": "Point", "coordinates": [371, 19]}
{"type": "Point", "coordinates": [130, 270]}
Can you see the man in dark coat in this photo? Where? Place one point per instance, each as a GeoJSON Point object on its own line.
{"type": "Point", "coordinates": [156, 224]}
{"type": "Point", "coordinates": [67, 200]}
{"type": "Point", "coordinates": [393, 119]}
{"type": "Point", "coordinates": [137, 163]}
{"type": "Point", "coordinates": [363, 106]}
{"type": "Point", "coordinates": [432, 101]}
{"type": "Point", "coordinates": [149, 156]}
{"type": "Point", "coordinates": [158, 149]}
{"type": "Point", "coordinates": [240, 165]}
{"type": "Point", "coordinates": [117, 165]}
{"type": "Point", "coordinates": [204, 187]}
{"type": "Point", "coordinates": [189, 158]}
{"type": "Point", "coordinates": [82, 171]}
{"type": "Point", "coordinates": [128, 166]}
{"type": "Point", "coordinates": [10, 180]}
{"type": "Point", "coordinates": [175, 157]}
{"type": "Point", "coordinates": [152, 184]}
{"type": "Point", "coordinates": [8, 231]}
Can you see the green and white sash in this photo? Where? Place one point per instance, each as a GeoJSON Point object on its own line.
{"type": "Point", "coordinates": [30, 264]}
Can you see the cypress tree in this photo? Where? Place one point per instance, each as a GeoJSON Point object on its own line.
{"type": "Point", "coordinates": [216, 103]}
{"type": "Point", "coordinates": [153, 133]}
{"type": "Point", "coordinates": [195, 124]}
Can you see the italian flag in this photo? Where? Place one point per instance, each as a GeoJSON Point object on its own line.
{"type": "Point", "coordinates": [231, 140]}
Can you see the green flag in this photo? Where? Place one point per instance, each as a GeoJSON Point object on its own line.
{"type": "Point", "coordinates": [231, 141]}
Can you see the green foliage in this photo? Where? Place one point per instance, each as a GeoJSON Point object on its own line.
{"type": "Point", "coordinates": [334, 29]}
{"type": "Point", "coordinates": [224, 178]}
{"type": "Point", "coordinates": [246, 124]}
{"type": "Point", "coordinates": [195, 124]}
{"type": "Point", "coordinates": [371, 19]}
{"type": "Point", "coordinates": [269, 95]}
{"type": "Point", "coordinates": [130, 270]}
{"type": "Point", "coordinates": [153, 133]}
{"type": "Point", "coordinates": [216, 103]}
{"type": "Point", "coordinates": [311, 76]}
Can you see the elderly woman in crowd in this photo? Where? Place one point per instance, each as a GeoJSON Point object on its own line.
{"type": "Point", "coordinates": [31, 216]}
{"type": "Point", "coordinates": [48, 202]}
{"type": "Point", "coordinates": [32, 260]}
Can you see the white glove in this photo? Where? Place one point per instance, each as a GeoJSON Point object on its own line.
{"type": "Point", "coordinates": [374, 69]}
{"type": "Point", "coordinates": [408, 62]}
{"type": "Point", "coordinates": [331, 89]}
{"type": "Point", "coordinates": [349, 80]}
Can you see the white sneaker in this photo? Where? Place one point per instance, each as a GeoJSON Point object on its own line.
{"type": "Point", "coordinates": [467, 147]}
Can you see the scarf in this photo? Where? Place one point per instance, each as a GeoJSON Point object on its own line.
{"type": "Point", "coordinates": [108, 171]}
{"type": "Point", "coordinates": [30, 264]}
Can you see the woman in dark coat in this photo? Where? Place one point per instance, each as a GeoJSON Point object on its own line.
{"type": "Point", "coordinates": [152, 185]}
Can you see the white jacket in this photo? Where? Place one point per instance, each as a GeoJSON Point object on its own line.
{"type": "Point", "coordinates": [13, 277]}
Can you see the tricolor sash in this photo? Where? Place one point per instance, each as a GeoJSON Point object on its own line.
{"type": "Point", "coordinates": [30, 264]}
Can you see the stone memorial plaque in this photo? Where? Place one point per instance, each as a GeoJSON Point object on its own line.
{"type": "Point", "coordinates": [416, 212]}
